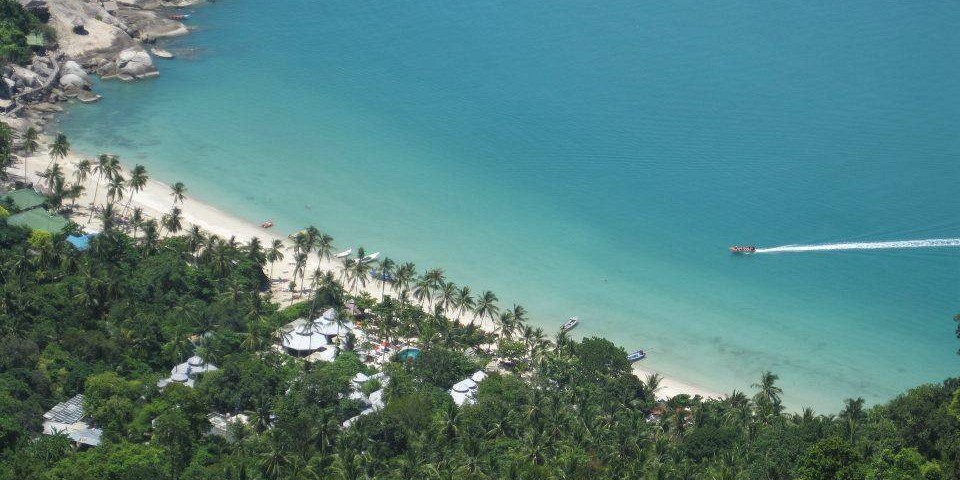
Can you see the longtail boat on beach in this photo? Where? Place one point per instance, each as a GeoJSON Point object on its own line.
{"type": "Point", "coordinates": [369, 258]}
{"type": "Point", "coordinates": [344, 253]}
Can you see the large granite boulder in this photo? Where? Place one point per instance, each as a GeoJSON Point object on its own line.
{"type": "Point", "coordinates": [72, 80]}
{"type": "Point", "coordinates": [135, 63]}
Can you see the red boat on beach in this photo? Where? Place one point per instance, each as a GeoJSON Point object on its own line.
{"type": "Point", "coordinates": [743, 249]}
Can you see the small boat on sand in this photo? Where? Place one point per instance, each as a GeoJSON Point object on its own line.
{"type": "Point", "coordinates": [369, 258]}
{"type": "Point", "coordinates": [637, 356]}
{"type": "Point", "coordinates": [161, 53]}
{"type": "Point", "coordinates": [743, 249]}
{"type": "Point", "coordinates": [267, 224]}
{"type": "Point", "coordinates": [344, 253]}
{"type": "Point", "coordinates": [570, 323]}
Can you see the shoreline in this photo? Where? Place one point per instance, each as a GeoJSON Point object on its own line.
{"type": "Point", "coordinates": [155, 200]}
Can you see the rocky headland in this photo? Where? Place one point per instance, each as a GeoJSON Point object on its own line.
{"type": "Point", "coordinates": [109, 38]}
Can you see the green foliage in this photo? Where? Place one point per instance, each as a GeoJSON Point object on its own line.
{"type": "Point", "coordinates": [15, 23]}
{"type": "Point", "coordinates": [112, 320]}
{"type": "Point", "coordinates": [40, 239]}
{"type": "Point", "coordinates": [4, 213]}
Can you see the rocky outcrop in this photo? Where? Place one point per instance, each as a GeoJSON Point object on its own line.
{"type": "Point", "coordinates": [147, 25]}
{"type": "Point", "coordinates": [134, 63]}
{"type": "Point", "coordinates": [101, 32]}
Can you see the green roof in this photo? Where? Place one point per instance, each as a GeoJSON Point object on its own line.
{"type": "Point", "coordinates": [35, 39]}
{"type": "Point", "coordinates": [25, 198]}
{"type": "Point", "coordinates": [39, 219]}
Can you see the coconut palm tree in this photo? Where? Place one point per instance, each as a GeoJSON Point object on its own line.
{"type": "Point", "coordinates": [387, 271]}
{"type": "Point", "coordinates": [274, 253]}
{"type": "Point", "coordinates": [324, 246]}
{"type": "Point", "coordinates": [300, 263]}
{"type": "Point", "coordinates": [59, 148]}
{"type": "Point", "coordinates": [196, 239]}
{"type": "Point", "coordinates": [138, 180]}
{"type": "Point", "coordinates": [421, 290]}
{"type": "Point", "coordinates": [768, 394]}
{"type": "Point", "coordinates": [30, 145]}
{"type": "Point", "coordinates": [52, 175]}
{"type": "Point", "coordinates": [178, 191]}
{"type": "Point", "coordinates": [116, 188]}
{"type": "Point", "coordinates": [359, 273]}
{"type": "Point", "coordinates": [101, 169]}
{"type": "Point", "coordinates": [435, 278]}
{"type": "Point", "coordinates": [82, 171]}
{"type": "Point", "coordinates": [486, 306]}
{"type": "Point", "coordinates": [402, 278]}
{"type": "Point", "coordinates": [107, 218]}
{"type": "Point", "coordinates": [136, 220]}
{"type": "Point", "coordinates": [173, 221]}
{"type": "Point", "coordinates": [447, 296]}
{"type": "Point", "coordinates": [464, 301]}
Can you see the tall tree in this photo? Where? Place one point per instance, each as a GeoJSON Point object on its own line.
{"type": "Point", "coordinates": [486, 306]}
{"type": "Point", "coordinates": [274, 254]}
{"type": "Point", "coordinates": [178, 191]}
{"type": "Point", "coordinates": [59, 148]}
{"type": "Point", "coordinates": [138, 180]}
{"type": "Point", "coordinates": [30, 144]}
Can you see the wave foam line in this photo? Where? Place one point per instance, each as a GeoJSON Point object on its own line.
{"type": "Point", "coordinates": [829, 247]}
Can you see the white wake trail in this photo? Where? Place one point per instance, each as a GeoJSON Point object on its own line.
{"type": "Point", "coordinates": [827, 247]}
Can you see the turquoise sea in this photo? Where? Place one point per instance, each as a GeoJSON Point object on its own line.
{"type": "Point", "coordinates": [597, 159]}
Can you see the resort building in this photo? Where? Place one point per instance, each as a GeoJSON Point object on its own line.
{"type": "Point", "coordinates": [67, 418]}
{"type": "Point", "coordinates": [186, 373]}
{"type": "Point", "coordinates": [315, 340]}
{"type": "Point", "coordinates": [220, 423]}
{"type": "Point", "coordinates": [464, 392]}
{"type": "Point", "coordinates": [374, 402]}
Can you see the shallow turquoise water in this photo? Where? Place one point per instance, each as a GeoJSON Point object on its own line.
{"type": "Point", "coordinates": [597, 160]}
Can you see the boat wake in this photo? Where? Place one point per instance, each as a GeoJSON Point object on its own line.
{"type": "Point", "coordinates": [830, 247]}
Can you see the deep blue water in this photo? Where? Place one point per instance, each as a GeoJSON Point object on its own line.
{"type": "Point", "coordinates": [597, 159]}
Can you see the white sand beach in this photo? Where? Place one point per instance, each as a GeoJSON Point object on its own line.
{"type": "Point", "coordinates": [155, 200]}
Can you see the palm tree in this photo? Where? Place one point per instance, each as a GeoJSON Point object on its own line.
{"type": "Point", "coordinates": [768, 394]}
{"type": "Point", "coordinates": [300, 262]}
{"type": "Point", "coordinates": [421, 290]}
{"type": "Point", "coordinates": [116, 188]}
{"type": "Point", "coordinates": [464, 301]}
{"type": "Point", "coordinates": [30, 145]}
{"type": "Point", "coordinates": [107, 167]}
{"type": "Point", "coordinates": [52, 175]}
{"type": "Point", "coordinates": [486, 306]}
{"type": "Point", "coordinates": [447, 299]}
{"type": "Point", "coordinates": [172, 221]}
{"type": "Point", "coordinates": [359, 272]}
{"type": "Point", "coordinates": [136, 220]}
{"type": "Point", "coordinates": [178, 191]}
{"type": "Point", "coordinates": [387, 267]}
{"type": "Point", "coordinates": [107, 218]}
{"type": "Point", "coordinates": [60, 148]}
{"type": "Point", "coordinates": [138, 180]}
{"type": "Point", "coordinates": [324, 246]}
{"type": "Point", "coordinates": [82, 171]}
{"type": "Point", "coordinates": [402, 278]}
{"type": "Point", "coordinates": [196, 239]}
{"type": "Point", "coordinates": [435, 278]}
{"type": "Point", "coordinates": [274, 254]}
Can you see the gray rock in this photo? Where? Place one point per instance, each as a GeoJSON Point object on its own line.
{"type": "Point", "coordinates": [135, 63]}
{"type": "Point", "coordinates": [73, 80]}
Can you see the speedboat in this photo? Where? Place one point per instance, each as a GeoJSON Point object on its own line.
{"type": "Point", "coordinates": [369, 258]}
{"type": "Point", "coordinates": [266, 224]}
{"type": "Point", "coordinates": [179, 16]}
{"type": "Point", "coordinates": [344, 253]}
{"type": "Point", "coordinates": [743, 249]}
{"type": "Point", "coordinates": [572, 322]}
{"type": "Point", "coordinates": [636, 356]}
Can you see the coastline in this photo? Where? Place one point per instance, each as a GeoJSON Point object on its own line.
{"type": "Point", "coordinates": [155, 200]}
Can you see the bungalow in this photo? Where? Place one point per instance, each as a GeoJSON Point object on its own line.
{"type": "Point", "coordinates": [315, 339]}
{"type": "Point", "coordinates": [67, 418]}
{"type": "Point", "coordinates": [464, 392]}
{"type": "Point", "coordinates": [186, 373]}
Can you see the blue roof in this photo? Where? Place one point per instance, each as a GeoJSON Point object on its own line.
{"type": "Point", "coordinates": [80, 242]}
